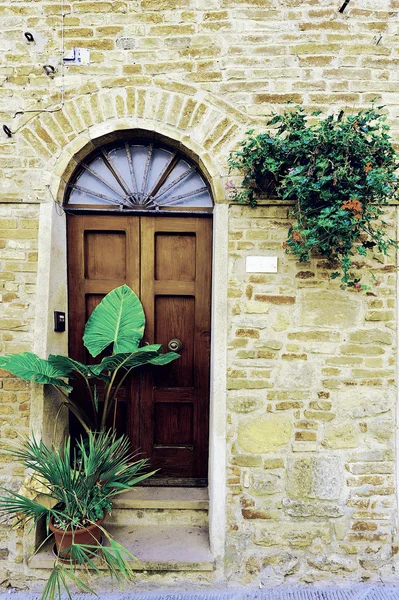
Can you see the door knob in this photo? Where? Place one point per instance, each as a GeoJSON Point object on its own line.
{"type": "Point", "coordinates": [175, 345]}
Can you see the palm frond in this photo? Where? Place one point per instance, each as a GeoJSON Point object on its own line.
{"type": "Point", "coordinates": [22, 508]}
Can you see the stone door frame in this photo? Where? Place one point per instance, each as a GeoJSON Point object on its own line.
{"type": "Point", "coordinates": [53, 294]}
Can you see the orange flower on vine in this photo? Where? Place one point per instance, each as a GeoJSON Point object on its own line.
{"type": "Point", "coordinates": [368, 167]}
{"type": "Point", "coordinates": [353, 205]}
{"type": "Point", "coordinates": [296, 236]}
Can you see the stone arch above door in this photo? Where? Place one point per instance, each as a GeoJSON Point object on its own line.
{"type": "Point", "coordinates": [203, 125]}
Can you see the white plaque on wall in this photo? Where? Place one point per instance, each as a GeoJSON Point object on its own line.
{"type": "Point", "coordinates": [261, 264]}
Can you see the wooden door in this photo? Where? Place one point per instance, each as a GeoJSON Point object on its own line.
{"type": "Point", "coordinates": [167, 262]}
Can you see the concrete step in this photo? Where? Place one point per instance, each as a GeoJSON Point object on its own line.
{"type": "Point", "coordinates": [157, 548]}
{"type": "Point", "coordinates": [157, 516]}
{"type": "Point", "coordinates": [161, 505]}
{"type": "Point", "coordinates": [164, 497]}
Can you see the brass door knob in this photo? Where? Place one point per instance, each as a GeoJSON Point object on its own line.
{"type": "Point", "coordinates": [175, 345]}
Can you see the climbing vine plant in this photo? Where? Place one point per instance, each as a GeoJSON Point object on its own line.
{"type": "Point", "coordinates": [339, 170]}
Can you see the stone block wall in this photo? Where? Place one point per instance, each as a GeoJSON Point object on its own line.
{"type": "Point", "coordinates": [311, 381]}
{"type": "Point", "coordinates": [18, 262]}
{"type": "Point", "coordinates": [18, 259]}
{"type": "Point", "coordinates": [311, 412]}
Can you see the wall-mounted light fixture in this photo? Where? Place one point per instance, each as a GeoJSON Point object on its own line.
{"type": "Point", "coordinates": [29, 36]}
{"type": "Point", "coordinates": [49, 70]}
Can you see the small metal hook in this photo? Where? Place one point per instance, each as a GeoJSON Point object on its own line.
{"type": "Point", "coordinates": [29, 36]}
{"type": "Point", "coordinates": [7, 131]}
{"type": "Point", "coordinates": [49, 69]}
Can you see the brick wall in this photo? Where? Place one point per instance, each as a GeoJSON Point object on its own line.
{"type": "Point", "coordinates": [311, 368]}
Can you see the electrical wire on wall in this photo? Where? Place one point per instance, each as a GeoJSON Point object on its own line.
{"type": "Point", "coordinates": [50, 71]}
{"type": "Point", "coordinates": [59, 209]}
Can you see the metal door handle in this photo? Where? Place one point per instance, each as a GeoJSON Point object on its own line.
{"type": "Point", "coordinates": [175, 345]}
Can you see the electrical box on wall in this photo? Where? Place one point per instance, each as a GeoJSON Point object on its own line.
{"type": "Point", "coordinates": [77, 56]}
{"type": "Point", "coordinates": [59, 321]}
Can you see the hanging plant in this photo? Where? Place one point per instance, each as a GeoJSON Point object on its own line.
{"type": "Point", "coordinates": [338, 170]}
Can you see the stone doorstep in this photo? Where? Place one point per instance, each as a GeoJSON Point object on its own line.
{"type": "Point", "coordinates": [182, 498]}
{"type": "Point", "coordinates": [157, 548]}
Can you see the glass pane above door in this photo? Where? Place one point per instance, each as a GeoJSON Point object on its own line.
{"type": "Point", "coordinates": [129, 175]}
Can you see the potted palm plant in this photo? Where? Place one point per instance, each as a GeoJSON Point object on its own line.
{"type": "Point", "coordinates": [116, 325]}
{"type": "Point", "coordinates": [81, 484]}
{"type": "Point", "coordinates": [81, 495]}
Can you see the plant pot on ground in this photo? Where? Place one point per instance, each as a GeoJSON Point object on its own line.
{"type": "Point", "coordinates": [82, 495]}
{"type": "Point", "coordinates": [90, 535]}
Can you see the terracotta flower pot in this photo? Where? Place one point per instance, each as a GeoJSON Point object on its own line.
{"type": "Point", "coordinates": [90, 535]}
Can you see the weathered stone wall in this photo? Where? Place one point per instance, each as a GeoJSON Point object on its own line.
{"type": "Point", "coordinates": [18, 260]}
{"type": "Point", "coordinates": [312, 403]}
{"type": "Point", "coordinates": [311, 368]}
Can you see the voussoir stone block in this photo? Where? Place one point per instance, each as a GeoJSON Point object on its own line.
{"type": "Point", "coordinates": [264, 434]}
{"type": "Point", "coordinates": [315, 477]}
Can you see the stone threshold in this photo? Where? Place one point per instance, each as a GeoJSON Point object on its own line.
{"type": "Point", "coordinates": [157, 548]}
{"type": "Point", "coordinates": [178, 498]}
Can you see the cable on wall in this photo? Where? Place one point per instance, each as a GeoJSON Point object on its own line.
{"type": "Point", "coordinates": [50, 71]}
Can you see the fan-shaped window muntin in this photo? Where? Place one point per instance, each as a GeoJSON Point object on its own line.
{"type": "Point", "coordinates": [138, 175]}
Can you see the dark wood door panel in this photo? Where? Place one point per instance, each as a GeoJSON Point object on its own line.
{"type": "Point", "coordinates": [175, 319]}
{"type": "Point", "coordinates": [167, 262]}
{"type": "Point", "coordinates": [176, 278]}
{"type": "Point", "coordinates": [103, 253]}
{"type": "Point", "coordinates": [174, 256]}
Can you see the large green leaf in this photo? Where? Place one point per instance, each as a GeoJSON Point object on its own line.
{"type": "Point", "coordinates": [69, 366]}
{"type": "Point", "coordinates": [118, 319]}
{"type": "Point", "coordinates": [164, 359]}
{"type": "Point", "coordinates": [30, 367]}
{"type": "Point", "coordinates": [140, 357]}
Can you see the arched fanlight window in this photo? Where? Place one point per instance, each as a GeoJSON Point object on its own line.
{"type": "Point", "coordinates": [137, 175]}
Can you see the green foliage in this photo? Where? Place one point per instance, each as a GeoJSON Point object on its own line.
{"type": "Point", "coordinates": [339, 171]}
{"type": "Point", "coordinates": [103, 468]}
{"type": "Point", "coordinates": [30, 367]}
{"type": "Point", "coordinates": [113, 555]}
{"type": "Point", "coordinates": [116, 323]}
{"type": "Point", "coordinates": [118, 320]}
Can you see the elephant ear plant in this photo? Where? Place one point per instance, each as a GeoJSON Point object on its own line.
{"type": "Point", "coordinates": [339, 171]}
{"type": "Point", "coordinates": [116, 324]}
{"type": "Point", "coordinates": [80, 498]}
